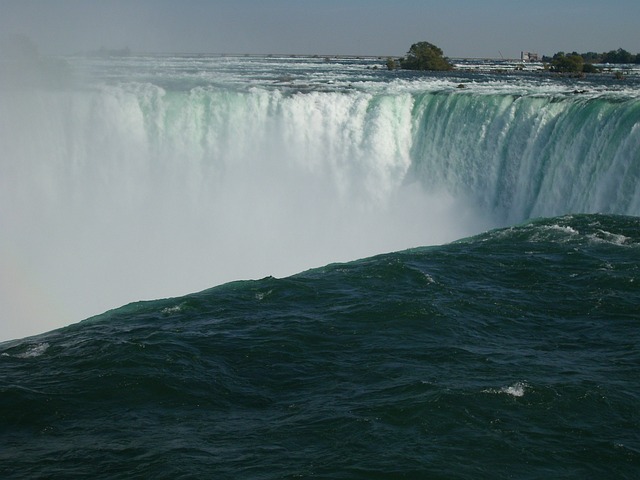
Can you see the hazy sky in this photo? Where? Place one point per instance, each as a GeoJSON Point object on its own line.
{"type": "Point", "coordinates": [462, 28]}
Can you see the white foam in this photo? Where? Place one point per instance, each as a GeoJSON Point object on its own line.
{"type": "Point", "coordinates": [34, 351]}
{"type": "Point", "coordinates": [261, 295]}
{"type": "Point", "coordinates": [565, 229]}
{"type": "Point", "coordinates": [516, 390]}
{"type": "Point", "coordinates": [172, 310]}
{"type": "Point", "coordinates": [602, 236]}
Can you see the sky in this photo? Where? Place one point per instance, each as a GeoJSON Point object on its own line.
{"type": "Point", "coordinates": [462, 28]}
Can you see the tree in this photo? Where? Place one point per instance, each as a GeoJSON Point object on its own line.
{"type": "Point", "coordinates": [614, 56]}
{"type": "Point", "coordinates": [425, 56]}
{"type": "Point", "coordinates": [592, 57]}
{"type": "Point", "coordinates": [618, 56]}
{"type": "Point", "coordinates": [572, 63]}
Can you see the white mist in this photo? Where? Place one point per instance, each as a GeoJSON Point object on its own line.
{"type": "Point", "coordinates": [121, 193]}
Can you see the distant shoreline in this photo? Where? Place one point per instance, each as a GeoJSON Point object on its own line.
{"type": "Point", "coordinates": [462, 64]}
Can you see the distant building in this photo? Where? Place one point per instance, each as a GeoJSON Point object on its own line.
{"type": "Point", "coordinates": [529, 57]}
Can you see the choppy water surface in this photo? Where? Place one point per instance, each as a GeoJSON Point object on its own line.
{"type": "Point", "coordinates": [513, 354]}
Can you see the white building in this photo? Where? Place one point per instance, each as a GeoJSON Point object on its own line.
{"type": "Point", "coordinates": [529, 57]}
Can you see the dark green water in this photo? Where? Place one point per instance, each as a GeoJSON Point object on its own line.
{"type": "Point", "coordinates": [514, 354]}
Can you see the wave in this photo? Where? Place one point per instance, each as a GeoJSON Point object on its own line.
{"type": "Point", "coordinates": [463, 361]}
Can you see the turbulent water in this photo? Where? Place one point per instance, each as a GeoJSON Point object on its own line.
{"type": "Point", "coordinates": [509, 354]}
{"type": "Point", "coordinates": [513, 354]}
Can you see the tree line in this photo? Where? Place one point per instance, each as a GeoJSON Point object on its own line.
{"type": "Point", "coordinates": [427, 56]}
{"type": "Point", "coordinates": [584, 62]}
{"type": "Point", "coordinates": [614, 56]}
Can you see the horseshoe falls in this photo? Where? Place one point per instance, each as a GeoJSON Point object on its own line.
{"type": "Point", "coordinates": [149, 177]}
{"type": "Point", "coordinates": [469, 244]}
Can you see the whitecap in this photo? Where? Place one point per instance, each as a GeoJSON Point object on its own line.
{"type": "Point", "coordinates": [428, 277]}
{"type": "Point", "coordinates": [261, 295]}
{"type": "Point", "coordinates": [515, 390]}
{"type": "Point", "coordinates": [171, 310]}
{"type": "Point", "coordinates": [602, 236]}
{"type": "Point", "coordinates": [34, 351]}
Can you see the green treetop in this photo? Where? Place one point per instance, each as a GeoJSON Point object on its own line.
{"type": "Point", "coordinates": [425, 56]}
{"type": "Point", "coordinates": [572, 63]}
